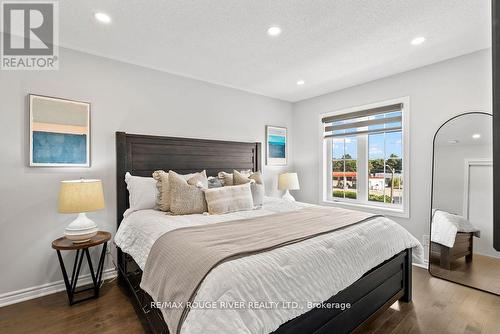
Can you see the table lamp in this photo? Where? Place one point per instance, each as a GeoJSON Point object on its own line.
{"type": "Point", "coordinates": [288, 181]}
{"type": "Point", "coordinates": [80, 196]}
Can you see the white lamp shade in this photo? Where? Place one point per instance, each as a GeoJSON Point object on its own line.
{"type": "Point", "coordinates": [76, 196]}
{"type": "Point", "coordinates": [288, 181]}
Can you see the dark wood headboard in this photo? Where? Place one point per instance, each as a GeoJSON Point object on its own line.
{"type": "Point", "coordinates": [141, 155]}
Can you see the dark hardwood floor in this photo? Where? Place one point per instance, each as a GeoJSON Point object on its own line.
{"type": "Point", "coordinates": [110, 313]}
{"type": "Point", "coordinates": [438, 307]}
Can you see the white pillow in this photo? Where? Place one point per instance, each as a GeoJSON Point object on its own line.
{"type": "Point", "coordinates": [142, 193]}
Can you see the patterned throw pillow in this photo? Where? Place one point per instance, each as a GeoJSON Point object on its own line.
{"type": "Point", "coordinates": [163, 195]}
{"type": "Point", "coordinates": [214, 182]}
{"type": "Point", "coordinates": [229, 199]}
{"type": "Point", "coordinates": [227, 178]}
{"type": "Point", "coordinates": [239, 178]}
{"type": "Point", "coordinates": [199, 180]}
{"type": "Point", "coordinates": [187, 197]}
{"type": "Point", "coordinates": [256, 185]}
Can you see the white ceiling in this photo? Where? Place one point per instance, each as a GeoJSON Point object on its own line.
{"type": "Point", "coordinates": [463, 128]}
{"type": "Point", "coordinates": [331, 44]}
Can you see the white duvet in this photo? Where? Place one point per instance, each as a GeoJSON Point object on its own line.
{"type": "Point", "coordinates": [309, 271]}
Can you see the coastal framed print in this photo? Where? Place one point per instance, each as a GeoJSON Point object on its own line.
{"type": "Point", "coordinates": [59, 132]}
{"type": "Point", "coordinates": [276, 146]}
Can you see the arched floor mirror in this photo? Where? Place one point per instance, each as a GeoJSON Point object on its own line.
{"type": "Point", "coordinates": [462, 237]}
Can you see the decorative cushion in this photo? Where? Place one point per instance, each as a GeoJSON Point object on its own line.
{"type": "Point", "coordinates": [258, 193]}
{"type": "Point", "coordinates": [187, 197]}
{"type": "Point", "coordinates": [199, 180]}
{"type": "Point", "coordinates": [214, 182]}
{"type": "Point", "coordinates": [142, 193]}
{"type": "Point", "coordinates": [239, 178]}
{"type": "Point", "coordinates": [229, 199]}
{"type": "Point", "coordinates": [163, 195]}
{"type": "Point", "coordinates": [257, 176]}
{"type": "Point", "coordinates": [256, 185]}
{"type": "Point", "coordinates": [227, 178]}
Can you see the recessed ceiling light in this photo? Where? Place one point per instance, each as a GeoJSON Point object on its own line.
{"type": "Point", "coordinates": [418, 40]}
{"type": "Point", "coordinates": [476, 136]}
{"type": "Point", "coordinates": [300, 82]}
{"type": "Point", "coordinates": [102, 17]}
{"type": "Point", "coordinates": [453, 141]}
{"type": "Point", "coordinates": [274, 31]}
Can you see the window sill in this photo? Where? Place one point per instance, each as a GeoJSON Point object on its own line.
{"type": "Point", "coordinates": [401, 213]}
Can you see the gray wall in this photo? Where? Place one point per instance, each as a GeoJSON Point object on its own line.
{"type": "Point", "coordinates": [437, 92]}
{"type": "Point", "coordinates": [124, 97]}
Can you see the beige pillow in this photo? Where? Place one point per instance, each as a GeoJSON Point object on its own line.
{"type": "Point", "coordinates": [241, 178]}
{"type": "Point", "coordinates": [257, 187]}
{"type": "Point", "coordinates": [227, 178]}
{"type": "Point", "coordinates": [163, 195]}
{"type": "Point", "coordinates": [187, 197]}
{"type": "Point", "coordinates": [229, 199]}
{"type": "Point", "coordinates": [257, 176]}
{"type": "Point", "coordinates": [199, 180]}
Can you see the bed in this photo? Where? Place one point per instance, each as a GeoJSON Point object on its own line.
{"type": "Point", "coordinates": [376, 288]}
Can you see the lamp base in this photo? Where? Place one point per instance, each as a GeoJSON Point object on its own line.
{"type": "Point", "coordinates": [82, 229]}
{"type": "Point", "coordinates": [288, 197]}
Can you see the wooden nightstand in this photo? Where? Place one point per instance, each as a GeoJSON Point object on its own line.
{"type": "Point", "coordinates": [82, 249]}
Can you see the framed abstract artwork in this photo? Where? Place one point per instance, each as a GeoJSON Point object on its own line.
{"type": "Point", "coordinates": [59, 132]}
{"type": "Point", "coordinates": [276, 146]}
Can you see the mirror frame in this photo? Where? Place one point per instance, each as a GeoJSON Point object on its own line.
{"type": "Point", "coordinates": [495, 11]}
{"type": "Point", "coordinates": [495, 170]}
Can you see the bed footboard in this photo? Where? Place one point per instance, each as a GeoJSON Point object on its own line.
{"type": "Point", "coordinates": [369, 296]}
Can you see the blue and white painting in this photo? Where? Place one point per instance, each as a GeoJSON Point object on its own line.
{"type": "Point", "coordinates": [276, 138]}
{"type": "Point", "coordinates": [60, 132]}
{"type": "Point", "coordinates": [59, 148]}
{"type": "Point", "coordinates": [277, 145]}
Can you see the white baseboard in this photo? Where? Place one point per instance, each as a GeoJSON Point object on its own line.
{"type": "Point", "coordinates": [424, 265]}
{"type": "Point", "coordinates": [13, 297]}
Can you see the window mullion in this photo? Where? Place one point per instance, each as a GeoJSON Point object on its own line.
{"type": "Point", "coordinates": [329, 168]}
{"type": "Point", "coordinates": [362, 168]}
{"type": "Point", "coordinates": [344, 179]}
{"type": "Point", "coordinates": [384, 162]}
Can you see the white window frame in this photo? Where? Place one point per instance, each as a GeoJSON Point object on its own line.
{"type": "Point", "coordinates": [363, 203]}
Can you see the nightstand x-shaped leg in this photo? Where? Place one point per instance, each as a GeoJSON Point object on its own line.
{"type": "Point", "coordinates": [96, 276]}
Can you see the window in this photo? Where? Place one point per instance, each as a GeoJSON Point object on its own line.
{"type": "Point", "coordinates": [365, 157]}
{"type": "Point", "coordinates": [344, 167]}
